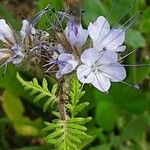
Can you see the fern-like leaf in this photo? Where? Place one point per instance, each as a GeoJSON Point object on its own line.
{"type": "Point", "coordinates": [75, 94]}
{"type": "Point", "coordinates": [40, 92]}
{"type": "Point", "coordinates": [69, 134]}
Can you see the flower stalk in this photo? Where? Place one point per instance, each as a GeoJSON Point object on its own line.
{"type": "Point", "coordinates": [63, 92]}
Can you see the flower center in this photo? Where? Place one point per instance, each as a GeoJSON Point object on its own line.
{"type": "Point", "coordinates": [62, 63]}
{"type": "Point", "coordinates": [96, 68]}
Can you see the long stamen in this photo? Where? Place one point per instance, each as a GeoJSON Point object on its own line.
{"type": "Point", "coordinates": [33, 49]}
{"type": "Point", "coordinates": [124, 14]}
{"type": "Point", "coordinates": [136, 65]}
{"type": "Point", "coordinates": [50, 67]}
{"type": "Point", "coordinates": [50, 63]}
{"type": "Point", "coordinates": [126, 55]}
{"type": "Point", "coordinates": [116, 24]}
{"type": "Point", "coordinates": [60, 18]}
{"type": "Point", "coordinates": [63, 17]}
{"type": "Point", "coordinates": [65, 14]}
{"type": "Point", "coordinates": [57, 18]}
{"type": "Point", "coordinates": [122, 17]}
{"type": "Point", "coordinates": [131, 23]}
{"type": "Point", "coordinates": [40, 14]}
{"type": "Point", "coordinates": [128, 65]}
{"type": "Point", "coordinates": [127, 21]}
{"type": "Point", "coordinates": [51, 24]}
{"type": "Point", "coordinates": [136, 87]}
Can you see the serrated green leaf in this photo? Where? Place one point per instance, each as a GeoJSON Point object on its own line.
{"type": "Point", "coordinates": [44, 84]}
{"type": "Point", "coordinates": [79, 120]}
{"type": "Point", "coordinates": [51, 126]}
{"type": "Point", "coordinates": [70, 144]}
{"type": "Point", "coordinates": [73, 138]}
{"type": "Point", "coordinates": [39, 97]}
{"type": "Point", "coordinates": [57, 114]}
{"type": "Point", "coordinates": [54, 89]}
{"type": "Point", "coordinates": [77, 132]}
{"type": "Point", "coordinates": [47, 104]}
{"type": "Point", "coordinates": [76, 126]}
{"type": "Point", "coordinates": [35, 81]}
{"type": "Point", "coordinates": [52, 141]}
{"type": "Point", "coordinates": [81, 106]}
{"type": "Point", "coordinates": [34, 91]}
{"type": "Point", "coordinates": [40, 91]}
{"type": "Point", "coordinates": [55, 134]}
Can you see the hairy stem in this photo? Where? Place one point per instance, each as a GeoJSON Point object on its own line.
{"type": "Point", "coordinates": [75, 8]}
{"type": "Point", "coordinates": [63, 97]}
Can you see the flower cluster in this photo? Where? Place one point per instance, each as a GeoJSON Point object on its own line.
{"type": "Point", "coordinates": [97, 65]}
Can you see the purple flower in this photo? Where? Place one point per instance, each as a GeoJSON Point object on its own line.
{"type": "Point", "coordinates": [66, 63]}
{"type": "Point", "coordinates": [13, 50]}
{"type": "Point", "coordinates": [6, 34]}
{"type": "Point", "coordinates": [27, 29]}
{"type": "Point", "coordinates": [105, 38]}
{"type": "Point", "coordinates": [75, 34]}
{"type": "Point", "coordinates": [100, 69]}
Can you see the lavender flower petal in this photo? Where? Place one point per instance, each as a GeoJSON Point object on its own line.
{"type": "Point", "coordinates": [75, 34]}
{"type": "Point", "coordinates": [6, 32]}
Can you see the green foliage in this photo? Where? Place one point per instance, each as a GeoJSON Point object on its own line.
{"type": "Point", "coordinates": [98, 8]}
{"type": "Point", "coordinates": [12, 105]}
{"type": "Point", "coordinates": [135, 128]}
{"type": "Point", "coordinates": [63, 134]}
{"type": "Point", "coordinates": [34, 148]}
{"type": "Point", "coordinates": [145, 24]}
{"type": "Point", "coordinates": [41, 92]}
{"type": "Point", "coordinates": [120, 119]}
{"type": "Point", "coordinates": [9, 17]}
{"type": "Point", "coordinates": [68, 134]}
{"type": "Point", "coordinates": [142, 73]}
{"type": "Point", "coordinates": [75, 94]}
{"type": "Point", "coordinates": [106, 114]}
{"type": "Point", "coordinates": [14, 110]}
{"type": "Point", "coordinates": [135, 39]}
{"type": "Point", "coordinates": [57, 4]}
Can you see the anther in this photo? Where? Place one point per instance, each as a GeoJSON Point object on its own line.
{"type": "Point", "coordinates": [136, 87]}
{"type": "Point", "coordinates": [85, 77]}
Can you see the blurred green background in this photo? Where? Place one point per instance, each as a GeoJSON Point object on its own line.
{"type": "Point", "coordinates": [121, 119]}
